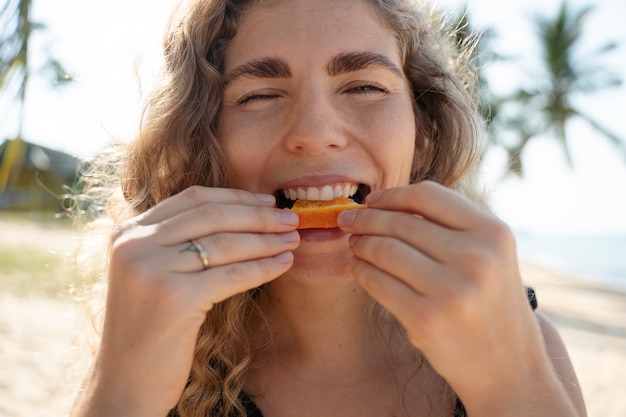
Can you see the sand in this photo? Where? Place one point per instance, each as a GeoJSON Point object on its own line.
{"type": "Point", "coordinates": [592, 322]}
{"type": "Point", "coordinates": [38, 333]}
{"type": "Point", "coordinates": [36, 350]}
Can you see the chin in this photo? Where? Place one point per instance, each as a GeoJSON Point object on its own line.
{"type": "Point", "coordinates": [321, 267]}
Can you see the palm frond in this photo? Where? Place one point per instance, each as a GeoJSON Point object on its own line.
{"type": "Point", "coordinates": [16, 30]}
{"type": "Point", "coordinates": [547, 108]}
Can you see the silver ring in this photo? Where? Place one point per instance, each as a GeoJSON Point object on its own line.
{"type": "Point", "coordinates": [201, 252]}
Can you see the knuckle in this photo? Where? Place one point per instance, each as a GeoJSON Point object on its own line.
{"type": "Point", "coordinates": [242, 276]}
{"type": "Point", "coordinates": [129, 252]}
{"type": "Point", "coordinates": [210, 212]}
{"type": "Point", "coordinates": [235, 272]}
{"type": "Point", "coordinates": [124, 249]}
{"type": "Point", "coordinates": [275, 242]}
{"type": "Point", "coordinates": [264, 215]}
{"type": "Point", "coordinates": [477, 257]}
{"type": "Point", "coordinates": [501, 234]}
{"type": "Point", "coordinates": [457, 297]}
{"type": "Point", "coordinates": [381, 249]}
{"type": "Point", "coordinates": [222, 243]}
{"type": "Point", "coordinates": [487, 255]}
{"type": "Point", "coordinates": [266, 267]}
{"type": "Point", "coordinates": [129, 259]}
{"type": "Point", "coordinates": [260, 213]}
{"type": "Point", "coordinates": [193, 193]}
{"type": "Point", "coordinates": [479, 262]}
{"type": "Point", "coordinates": [136, 271]}
{"type": "Point", "coordinates": [142, 279]}
{"type": "Point", "coordinates": [426, 188]}
{"type": "Point", "coordinates": [120, 229]}
{"type": "Point", "coordinates": [400, 225]}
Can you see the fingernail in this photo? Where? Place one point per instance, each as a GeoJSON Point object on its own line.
{"type": "Point", "coordinates": [290, 237]}
{"type": "Point", "coordinates": [284, 258]}
{"type": "Point", "coordinates": [266, 198]}
{"type": "Point", "coordinates": [346, 218]}
{"type": "Point", "coordinates": [288, 217]}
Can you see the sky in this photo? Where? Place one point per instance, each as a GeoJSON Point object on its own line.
{"type": "Point", "coordinates": [112, 49]}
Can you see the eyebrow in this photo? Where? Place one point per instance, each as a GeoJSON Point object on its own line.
{"type": "Point", "coordinates": [354, 61]}
{"type": "Point", "coordinates": [342, 63]}
{"type": "Point", "coordinates": [268, 67]}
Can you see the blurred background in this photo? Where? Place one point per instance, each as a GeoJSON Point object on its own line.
{"type": "Point", "coordinates": [552, 74]}
{"type": "Point", "coordinates": [74, 75]}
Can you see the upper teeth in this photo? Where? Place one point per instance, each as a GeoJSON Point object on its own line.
{"type": "Point", "coordinates": [326, 192]}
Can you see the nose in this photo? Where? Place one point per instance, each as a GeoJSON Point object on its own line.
{"type": "Point", "coordinates": [316, 126]}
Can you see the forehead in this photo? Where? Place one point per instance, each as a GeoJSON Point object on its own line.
{"type": "Point", "coordinates": [311, 30]}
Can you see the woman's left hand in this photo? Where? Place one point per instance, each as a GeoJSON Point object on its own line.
{"type": "Point", "coordinates": [448, 271]}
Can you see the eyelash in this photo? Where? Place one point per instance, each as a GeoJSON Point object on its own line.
{"type": "Point", "coordinates": [369, 89]}
{"type": "Point", "coordinates": [254, 97]}
{"type": "Point", "coordinates": [366, 89]}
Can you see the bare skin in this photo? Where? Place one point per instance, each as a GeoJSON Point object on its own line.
{"type": "Point", "coordinates": [446, 269]}
{"type": "Point", "coordinates": [158, 297]}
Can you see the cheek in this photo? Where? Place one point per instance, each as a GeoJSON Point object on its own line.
{"type": "Point", "coordinates": [398, 143]}
{"type": "Point", "coordinates": [243, 154]}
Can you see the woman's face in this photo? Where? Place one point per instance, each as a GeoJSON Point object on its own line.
{"type": "Point", "coordinates": [315, 96]}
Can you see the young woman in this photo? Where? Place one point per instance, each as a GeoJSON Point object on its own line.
{"type": "Point", "coordinates": [218, 306]}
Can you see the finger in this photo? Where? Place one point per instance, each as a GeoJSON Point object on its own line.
{"type": "Point", "coordinates": [394, 295]}
{"type": "Point", "coordinates": [397, 259]}
{"type": "Point", "coordinates": [432, 201]}
{"type": "Point", "coordinates": [209, 219]}
{"type": "Point", "coordinates": [429, 238]}
{"type": "Point", "coordinates": [196, 196]}
{"type": "Point", "coordinates": [217, 284]}
{"type": "Point", "coordinates": [226, 248]}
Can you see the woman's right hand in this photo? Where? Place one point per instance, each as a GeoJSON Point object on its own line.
{"type": "Point", "coordinates": [159, 291]}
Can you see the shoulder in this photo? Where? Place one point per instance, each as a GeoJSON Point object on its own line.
{"type": "Point", "coordinates": [560, 360]}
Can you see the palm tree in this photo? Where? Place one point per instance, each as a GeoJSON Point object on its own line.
{"type": "Point", "coordinates": [16, 31]}
{"type": "Point", "coordinates": [477, 42]}
{"type": "Point", "coordinates": [14, 45]}
{"type": "Point", "coordinates": [549, 106]}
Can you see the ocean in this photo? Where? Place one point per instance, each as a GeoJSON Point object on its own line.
{"type": "Point", "coordinates": [600, 259]}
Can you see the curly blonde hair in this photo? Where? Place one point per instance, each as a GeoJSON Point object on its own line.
{"type": "Point", "coordinates": [177, 147]}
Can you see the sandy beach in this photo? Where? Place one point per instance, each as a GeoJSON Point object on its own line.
{"type": "Point", "coordinates": [592, 322]}
{"type": "Point", "coordinates": [38, 333]}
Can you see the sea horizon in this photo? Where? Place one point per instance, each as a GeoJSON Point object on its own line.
{"type": "Point", "coordinates": [599, 259]}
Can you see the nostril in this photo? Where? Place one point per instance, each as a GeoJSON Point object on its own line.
{"type": "Point", "coordinates": [315, 132]}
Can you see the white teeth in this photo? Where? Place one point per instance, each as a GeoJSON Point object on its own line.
{"type": "Point", "coordinates": [312, 193]}
{"type": "Point", "coordinates": [326, 192]}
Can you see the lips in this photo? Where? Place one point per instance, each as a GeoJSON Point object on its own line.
{"type": "Point", "coordinates": [286, 197]}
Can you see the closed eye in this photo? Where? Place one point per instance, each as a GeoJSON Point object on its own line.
{"type": "Point", "coordinates": [255, 97]}
{"type": "Point", "coordinates": [367, 89]}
